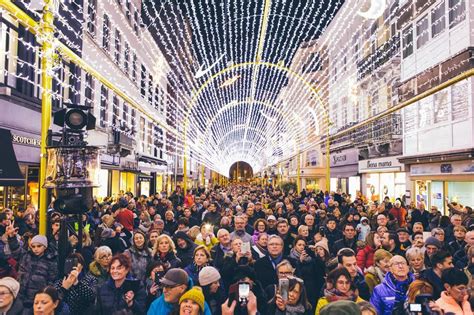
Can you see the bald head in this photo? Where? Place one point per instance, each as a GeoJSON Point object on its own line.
{"type": "Point", "coordinates": [469, 238]}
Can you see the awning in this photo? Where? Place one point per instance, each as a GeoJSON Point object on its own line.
{"type": "Point", "coordinates": [10, 174]}
{"type": "Point", "coordinates": [151, 160]}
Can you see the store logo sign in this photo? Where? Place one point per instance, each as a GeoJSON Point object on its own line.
{"type": "Point", "coordinates": [382, 164]}
{"type": "Point", "coordinates": [338, 158]}
{"type": "Point", "coordinates": [26, 140]}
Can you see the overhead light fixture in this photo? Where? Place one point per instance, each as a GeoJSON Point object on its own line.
{"type": "Point", "coordinates": [376, 9]}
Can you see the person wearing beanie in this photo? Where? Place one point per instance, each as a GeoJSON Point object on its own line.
{"type": "Point", "coordinates": [38, 267]}
{"type": "Point", "coordinates": [341, 308]}
{"type": "Point", "coordinates": [192, 302]}
{"type": "Point", "coordinates": [432, 246]}
{"type": "Point", "coordinates": [9, 304]}
{"type": "Point", "coordinates": [209, 279]}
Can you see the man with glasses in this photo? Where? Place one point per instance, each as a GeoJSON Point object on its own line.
{"type": "Point", "coordinates": [390, 295]}
{"type": "Point", "coordinates": [266, 267]}
{"type": "Point", "coordinates": [175, 283]}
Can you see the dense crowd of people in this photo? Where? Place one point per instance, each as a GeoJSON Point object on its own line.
{"type": "Point", "coordinates": [241, 249]}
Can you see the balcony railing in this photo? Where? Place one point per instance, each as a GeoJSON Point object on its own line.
{"type": "Point", "coordinates": [384, 129]}
{"type": "Point", "coordinates": [383, 54]}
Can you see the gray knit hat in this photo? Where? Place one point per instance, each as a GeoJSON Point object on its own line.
{"type": "Point", "coordinates": [433, 241]}
{"type": "Point", "coordinates": [40, 239]}
{"type": "Point", "coordinates": [11, 284]}
{"type": "Point", "coordinates": [341, 308]}
{"type": "Point", "coordinates": [208, 275]}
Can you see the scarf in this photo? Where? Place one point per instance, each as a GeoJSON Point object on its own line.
{"type": "Point", "coordinates": [401, 287]}
{"type": "Point", "coordinates": [333, 295]}
{"type": "Point", "coordinates": [294, 254]}
{"type": "Point", "coordinates": [295, 309]}
{"type": "Point", "coordinates": [275, 261]}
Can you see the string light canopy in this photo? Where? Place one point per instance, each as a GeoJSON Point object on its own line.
{"type": "Point", "coordinates": [235, 91]}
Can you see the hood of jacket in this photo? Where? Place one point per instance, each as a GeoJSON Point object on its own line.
{"type": "Point", "coordinates": [182, 235]}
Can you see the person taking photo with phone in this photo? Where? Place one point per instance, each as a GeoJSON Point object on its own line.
{"type": "Point", "coordinates": [77, 289]}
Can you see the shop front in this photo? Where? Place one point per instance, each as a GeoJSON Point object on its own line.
{"type": "Point", "coordinates": [19, 169]}
{"type": "Point", "coordinates": [436, 182]}
{"type": "Point", "coordinates": [344, 171]}
{"type": "Point", "coordinates": [383, 177]}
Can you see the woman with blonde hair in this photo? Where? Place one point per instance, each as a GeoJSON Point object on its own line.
{"type": "Point", "coordinates": [376, 274]}
{"type": "Point", "coordinates": [164, 251]}
{"type": "Point", "coordinates": [416, 260]}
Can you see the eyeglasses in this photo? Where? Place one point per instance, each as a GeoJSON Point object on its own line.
{"type": "Point", "coordinates": [3, 293]}
{"type": "Point", "coordinates": [105, 256]}
{"type": "Point", "coordinates": [399, 263]}
{"type": "Point", "coordinates": [285, 273]}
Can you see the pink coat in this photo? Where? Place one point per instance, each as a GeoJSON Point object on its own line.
{"type": "Point", "coordinates": [448, 304]}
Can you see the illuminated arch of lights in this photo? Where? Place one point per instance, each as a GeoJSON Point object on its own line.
{"type": "Point", "coordinates": [237, 80]}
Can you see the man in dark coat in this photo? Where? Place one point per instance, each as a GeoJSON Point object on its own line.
{"type": "Point", "coordinates": [265, 267]}
{"type": "Point", "coordinates": [441, 260]}
{"type": "Point", "coordinates": [348, 241]}
{"type": "Point", "coordinates": [185, 247]}
{"type": "Point", "coordinates": [219, 251]}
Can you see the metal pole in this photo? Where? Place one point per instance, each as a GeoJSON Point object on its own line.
{"type": "Point", "coordinates": [298, 173]}
{"type": "Point", "coordinates": [203, 174]}
{"type": "Point", "coordinates": [185, 175]}
{"type": "Point", "coordinates": [46, 107]}
{"type": "Point", "coordinates": [328, 161]}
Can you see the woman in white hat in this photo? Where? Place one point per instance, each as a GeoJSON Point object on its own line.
{"type": "Point", "coordinates": [9, 304]}
{"type": "Point", "coordinates": [209, 279]}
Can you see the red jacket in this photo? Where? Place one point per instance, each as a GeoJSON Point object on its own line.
{"type": "Point", "coordinates": [365, 257]}
{"type": "Point", "coordinates": [399, 214]}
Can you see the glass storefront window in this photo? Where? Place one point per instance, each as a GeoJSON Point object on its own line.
{"type": "Point", "coordinates": [437, 195]}
{"type": "Point", "coordinates": [387, 185]}
{"type": "Point", "coordinates": [33, 187]}
{"type": "Point", "coordinates": [372, 187]}
{"type": "Point", "coordinates": [2, 196]}
{"type": "Point", "coordinates": [103, 190]}
{"type": "Point", "coordinates": [461, 192]}
{"type": "Point", "coordinates": [127, 182]}
{"type": "Point", "coordinates": [354, 185]}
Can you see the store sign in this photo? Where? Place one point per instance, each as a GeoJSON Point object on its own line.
{"type": "Point", "coordinates": [380, 165]}
{"type": "Point", "coordinates": [344, 158]}
{"type": "Point", "coordinates": [26, 140]}
{"type": "Point", "coordinates": [455, 168]}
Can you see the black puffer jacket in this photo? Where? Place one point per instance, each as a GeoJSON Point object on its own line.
{"type": "Point", "coordinates": [35, 273]}
{"type": "Point", "coordinates": [186, 254]}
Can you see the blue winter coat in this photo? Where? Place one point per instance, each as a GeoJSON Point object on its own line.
{"type": "Point", "coordinates": [384, 297]}
{"type": "Point", "coordinates": [161, 307]}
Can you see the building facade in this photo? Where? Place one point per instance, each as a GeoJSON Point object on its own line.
{"type": "Point", "coordinates": [438, 131]}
